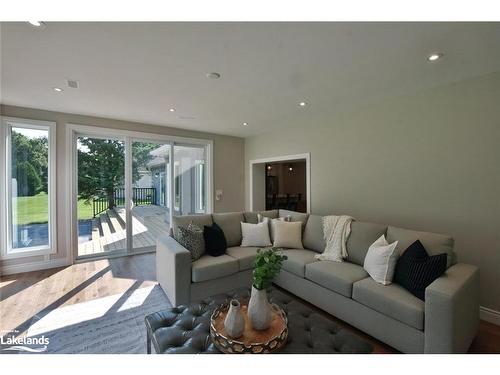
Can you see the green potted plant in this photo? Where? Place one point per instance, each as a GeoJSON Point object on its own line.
{"type": "Point", "coordinates": [267, 265]}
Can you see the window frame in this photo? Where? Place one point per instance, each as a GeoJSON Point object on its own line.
{"type": "Point", "coordinates": [177, 181]}
{"type": "Point", "coordinates": [7, 251]}
{"type": "Point", "coordinates": [200, 186]}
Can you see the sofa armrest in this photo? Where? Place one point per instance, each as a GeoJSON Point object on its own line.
{"type": "Point", "coordinates": [452, 310]}
{"type": "Point", "coordinates": [173, 269]}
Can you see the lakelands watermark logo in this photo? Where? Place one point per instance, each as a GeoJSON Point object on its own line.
{"type": "Point", "coordinates": [10, 342]}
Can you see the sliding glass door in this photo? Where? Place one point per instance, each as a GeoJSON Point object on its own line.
{"type": "Point", "coordinates": [128, 188]}
{"type": "Point", "coordinates": [150, 193]}
{"type": "Point", "coordinates": [101, 223]}
{"type": "Point", "coordinates": [190, 179]}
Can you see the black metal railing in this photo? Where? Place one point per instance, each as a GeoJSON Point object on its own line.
{"type": "Point", "coordinates": [99, 204]}
{"type": "Point", "coordinates": [140, 197]}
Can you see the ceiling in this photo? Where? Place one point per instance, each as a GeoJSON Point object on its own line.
{"type": "Point", "coordinates": [138, 71]}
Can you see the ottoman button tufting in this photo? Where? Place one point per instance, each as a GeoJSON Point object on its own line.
{"type": "Point", "coordinates": [186, 329]}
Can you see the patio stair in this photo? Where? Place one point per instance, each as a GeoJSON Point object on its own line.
{"type": "Point", "coordinates": [116, 220]}
{"type": "Point", "coordinates": [109, 234]}
{"type": "Point", "coordinates": [107, 223]}
{"type": "Point", "coordinates": [106, 226]}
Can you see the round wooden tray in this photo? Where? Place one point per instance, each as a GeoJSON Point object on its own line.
{"type": "Point", "coordinates": [252, 341]}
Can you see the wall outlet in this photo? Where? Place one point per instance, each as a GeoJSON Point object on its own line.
{"type": "Point", "coordinates": [218, 194]}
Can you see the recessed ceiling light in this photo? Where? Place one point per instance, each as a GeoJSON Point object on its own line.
{"type": "Point", "coordinates": [302, 104]}
{"type": "Point", "coordinates": [245, 124]}
{"type": "Point", "coordinates": [213, 75]}
{"type": "Point", "coordinates": [434, 57]}
{"type": "Point", "coordinates": [58, 89]}
{"type": "Point", "coordinates": [172, 109]}
{"type": "Point", "coordinates": [36, 23]}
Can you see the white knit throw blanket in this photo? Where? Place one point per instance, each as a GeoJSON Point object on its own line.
{"type": "Point", "coordinates": [336, 230]}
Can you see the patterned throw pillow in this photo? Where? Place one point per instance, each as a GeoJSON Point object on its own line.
{"type": "Point", "coordinates": [416, 270]}
{"type": "Point", "coordinates": [191, 237]}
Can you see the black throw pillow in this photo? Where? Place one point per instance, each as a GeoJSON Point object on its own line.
{"type": "Point", "coordinates": [215, 241]}
{"type": "Point", "coordinates": [416, 270]}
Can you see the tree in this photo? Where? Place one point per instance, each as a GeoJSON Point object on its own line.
{"type": "Point", "coordinates": [29, 164]}
{"type": "Point", "coordinates": [101, 166]}
{"type": "Point", "coordinates": [28, 179]}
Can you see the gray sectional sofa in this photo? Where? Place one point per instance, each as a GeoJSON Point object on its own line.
{"type": "Point", "coordinates": [446, 322]}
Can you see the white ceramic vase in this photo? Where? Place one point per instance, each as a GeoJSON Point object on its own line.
{"type": "Point", "coordinates": [259, 309]}
{"type": "Point", "coordinates": [234, 322]}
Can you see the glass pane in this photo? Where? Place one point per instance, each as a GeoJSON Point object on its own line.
{"type": "Point", "coordinates": [150, 190]}
{"type": "Point", "coordinates": [101, 196]}
{"type": "Point", "coordinates": [190, 180]}
{"type": "Point", "coordinates": [29, 188]}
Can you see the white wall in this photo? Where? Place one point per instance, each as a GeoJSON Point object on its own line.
{"type": "Point", "coordinates": [429, 161]}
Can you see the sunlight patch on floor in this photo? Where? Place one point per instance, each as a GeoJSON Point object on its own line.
{"type": "Point", "coordinates": [80, 312]}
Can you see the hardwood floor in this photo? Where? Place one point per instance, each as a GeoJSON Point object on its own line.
{"type": "Point", "coordinates": [34, 294]}
{"type": "Point", "coordinates": [24, 296]}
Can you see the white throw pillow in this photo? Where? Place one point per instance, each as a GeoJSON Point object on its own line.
{"type": "Point", "coordinates": [261, 218]}
{"type": "Point", "coordinates": [287, 234]}
{"type": "Point", "coordinates": [380, 261]}
{"type": "Point", "coordinates": [255, 234]}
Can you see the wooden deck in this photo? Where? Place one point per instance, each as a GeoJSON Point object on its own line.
{"type": "Point", "coordinates": [109, 234]}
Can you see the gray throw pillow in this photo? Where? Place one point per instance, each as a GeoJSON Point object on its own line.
{"type": "Point", "coordinates": [191, 237]}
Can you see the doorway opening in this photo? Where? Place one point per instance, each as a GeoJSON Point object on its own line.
{"type": "Point", "coordinates": [280, 183]}
{"type": "Point", "coordinates": [286, 186]}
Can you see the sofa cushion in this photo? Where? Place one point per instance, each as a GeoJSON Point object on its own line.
{"type": "Point", "coordinates": [184, 221]}
{"type": "Point", "coordinates": [294, 216]}
{"type": "Point", "coordinates": [336, 276]}
{"type": "Point", "coordinates": [434, 243]}
{"type": "Point", "coordinates": [363, 234]}
{"type": "Point", "coordinates": [231, 225]}
{"type": "Point", "coordinates": [297, 261]}
{"type": "Point", "coordinates": [209, 267]}
{"type": "Point", "coordinates": [313, 237]}
{"type": "Point", "coordinates": [271, 214]}
{"type": "Point", "coordinates": [244, 255]}
{"type": "Point", "coordinates": [391, 300]}
{"type": "Point", "coordinates": [251, 217]}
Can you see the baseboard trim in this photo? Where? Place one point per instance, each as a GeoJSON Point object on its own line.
{"type": "Point", "coordinates": [34, 266]}
{"type": "Point", "coordinates": [489, 315]}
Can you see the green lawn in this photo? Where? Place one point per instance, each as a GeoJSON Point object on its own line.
{"type": "Point", "coordinates": [34, 209]}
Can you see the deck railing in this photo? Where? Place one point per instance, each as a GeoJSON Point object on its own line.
{"type": "Point", "coordinates": [140, 197]}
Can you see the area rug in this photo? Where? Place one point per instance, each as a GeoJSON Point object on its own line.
{"type": "Point", "coordinates": [109, 325]}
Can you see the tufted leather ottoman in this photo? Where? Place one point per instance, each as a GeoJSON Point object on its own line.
{"type": "Point", "coordinates": [186, 329]}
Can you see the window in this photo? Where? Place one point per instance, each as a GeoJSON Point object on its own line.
{"type": "Point", "coordinates": [28, 204]}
